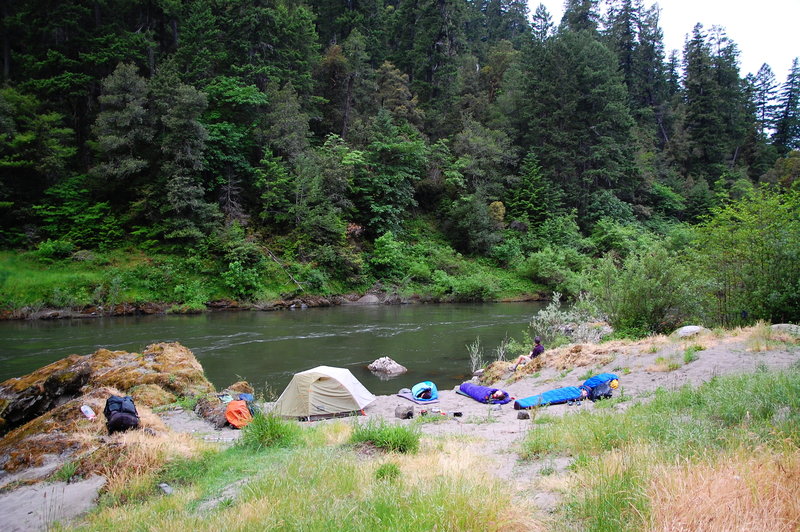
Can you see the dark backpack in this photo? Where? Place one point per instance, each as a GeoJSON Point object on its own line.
{"type": "Point", "coordinates": [120, 414]}
{"type": "Point", "coordinates": [601, 391]}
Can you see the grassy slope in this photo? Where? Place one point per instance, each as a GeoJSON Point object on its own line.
{"type": "Point", "coordinates": [131, 276]}
{"type": "Point", "coordinates": [723, 456]}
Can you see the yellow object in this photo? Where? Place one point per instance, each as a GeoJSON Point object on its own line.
{"type": "Point", "coordinates": [614, 384]}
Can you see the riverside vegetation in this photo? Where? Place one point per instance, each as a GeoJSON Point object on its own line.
{"type": "Point", "coordinates": [253, 151]}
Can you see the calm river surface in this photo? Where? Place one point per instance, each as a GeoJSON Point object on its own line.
{"type": "Point", "coordinates": [267, 348]}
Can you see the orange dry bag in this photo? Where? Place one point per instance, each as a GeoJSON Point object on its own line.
{"type": "Point", "coordinates": [238, 414]}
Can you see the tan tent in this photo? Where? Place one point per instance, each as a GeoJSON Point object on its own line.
{"type": "Point", "coordinates": [322, 391]}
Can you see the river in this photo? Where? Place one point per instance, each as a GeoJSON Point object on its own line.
{"type": "Point", "coordinates": [267, 348]}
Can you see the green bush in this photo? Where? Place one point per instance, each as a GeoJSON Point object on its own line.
{"type": "Point", "coordinates": [420, 272]}
{"type": "Point", "coordinates": [399, 438]}
{"type": "Point", "coordinates": [269, 430]}
{"type": "Point", "coordinates": [243, 282]}
{"type": "Point", "coordinates": [623, 238]}
{"type": "Point", "coordinates": [389, 260]}
{"type": "Point", "coordinates": [51, 250]}
{"type": "Point", "coordinates": [652, 290]}
{"type": "Point", "coordinates": [558, 268]}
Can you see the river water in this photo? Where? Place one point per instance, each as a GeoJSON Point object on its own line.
{"type": "Point", "coordinates": [267, 348]}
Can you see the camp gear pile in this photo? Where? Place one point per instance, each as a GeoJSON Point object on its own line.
{"type": "Point", "coordinates": [121, 414]}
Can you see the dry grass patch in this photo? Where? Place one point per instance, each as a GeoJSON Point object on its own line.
{"type": "Point", "coordinates": [762, 337]}
{"type": "Point", "coordinates": [130, 460]}
{"type": "Point", "coordinates": [581, 355]}
{"type": "Point", "coordinates": [734, 492]}
{"type": "Point", "coordinates": [664, 364]}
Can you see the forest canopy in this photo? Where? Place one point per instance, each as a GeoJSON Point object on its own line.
{"type": "Point", "coordinates": [345, 143]}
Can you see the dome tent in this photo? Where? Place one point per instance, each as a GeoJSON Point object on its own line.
{"type": "Point", "coordinates": [322, 392]}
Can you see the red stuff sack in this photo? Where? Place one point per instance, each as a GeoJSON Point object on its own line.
{"type": "Point", "coordinates": [238, 414]}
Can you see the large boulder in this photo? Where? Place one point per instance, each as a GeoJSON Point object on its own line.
{"type": "Point", "coordinates": [689, 330]}
{"type": "Point", "coordinates": [788, 328]}
{"type": "Point", "coordinates": [387, 367]}
{"type": "Point", "coordinates": [169, 366]}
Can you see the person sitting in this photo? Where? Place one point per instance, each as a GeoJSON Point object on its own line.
{"type": "Point", "coordinates": [537, 350]}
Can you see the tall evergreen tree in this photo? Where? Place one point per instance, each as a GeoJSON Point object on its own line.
{"type": "Point", "coordinates": [542, 24]}
{"type": "Point", "coordinates": [580, 15]}
{"type": "Point", "coordinates": [716, 117]}
{"type": "Point", "coordinates": [123, 131]}
{"type": "Point", "coordinates": [765, 92]}
{"type": "Point", "coordinates": [787, 127]}
{"type": "Point", "coordinates": [184, 211]}
{"type": "Point", "coordinates": [577, 118]}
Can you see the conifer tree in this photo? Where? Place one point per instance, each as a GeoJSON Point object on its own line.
{"type": "Point", "coordinates": [542, 25]}
{"type": "Point", "coordinates": [186, 214]}
{"type": "Point", "coordinates": [123, 130]}
{"type": "Point", "coordinates": [787, 127]}
{"type": "Point", "coordinates": [765, 92]}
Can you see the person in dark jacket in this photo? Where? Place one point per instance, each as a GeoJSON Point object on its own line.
{"type": "Point", "coordinates": [536, 350]}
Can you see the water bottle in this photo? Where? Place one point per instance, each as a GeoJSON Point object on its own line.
{"type": "Point", "coordinates": [88, 412]}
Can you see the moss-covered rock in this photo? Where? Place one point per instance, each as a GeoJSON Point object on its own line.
{"type": "Point", "coordinates": [168, 366]}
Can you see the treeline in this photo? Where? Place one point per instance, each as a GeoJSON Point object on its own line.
{"type": "Point", "coordinates": [312, 133]}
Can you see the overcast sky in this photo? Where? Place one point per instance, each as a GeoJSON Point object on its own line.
{"type": "Point", "coordinates": [766, 31]}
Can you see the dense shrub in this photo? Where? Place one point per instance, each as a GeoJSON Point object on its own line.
{"type": "Point", "coordinates": [749, 251]}
{"type": "Point", "coordinates": [51, 250]}
{"type": "Point", "coordinates": [243, 282]}
{"type": "Point", "coordinates": [558, 268]}
{"type": "Point", "coordinates": [557, 324]}
{"type": "Point", "coordinates": [476, 287]}
{"type": "Point", "coordinates": [622, 238]}
{"type": "Point", "coordinates": [651, 291]}
{"type": "Point", "coordinates": [389, 260]}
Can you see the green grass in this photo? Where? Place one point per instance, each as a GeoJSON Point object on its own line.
{"type": "Point", "coordinates": [267, 430]}
{"type": "Point", "coordinates": [615, 452]}
{"type": "Point", "coordinates": [690, 354]}
{"type": "Point", "coordinates": [319, 487]}
{"type": "Point", "coordinates": [684, 422]}
{"type": "Point", "coordinates": [398, 438]}
{"type": "Point", "coordinates": [482, 420]}
{"type": "Point", "coordinates": [388, 471]}
{"type": "Point", "coordinates": [430, 418]}
{"type": "Point", "coordinates": [66, 473]}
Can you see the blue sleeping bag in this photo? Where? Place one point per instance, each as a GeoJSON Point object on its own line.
{"type": "Point", "coordinates": [552, 397]}
{"type": "Point", "coordinates": [603, 378]}
{"type": "Point", "coordinates": [483, 394]}
{"type": "Point", "coordinates": [598, 383]}
{"type": "Point", "coordinates": [425, 391]}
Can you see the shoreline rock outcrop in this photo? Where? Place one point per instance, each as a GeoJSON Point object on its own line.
{"type": "Point", "coordinates": [171, 367]}
{"type": "Point", "coordinates": [386, 367]}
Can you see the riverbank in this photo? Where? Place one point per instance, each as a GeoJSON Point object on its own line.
{"type": "Point", "coordinates": [523, 484]}
{"type": "Point", "coordinates": [228, 305]}
{"type": "Point", "coordinates": [130, 283]}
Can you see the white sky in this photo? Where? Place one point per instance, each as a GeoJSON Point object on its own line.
{"type": "Point", "coordinates": [765, 31]}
